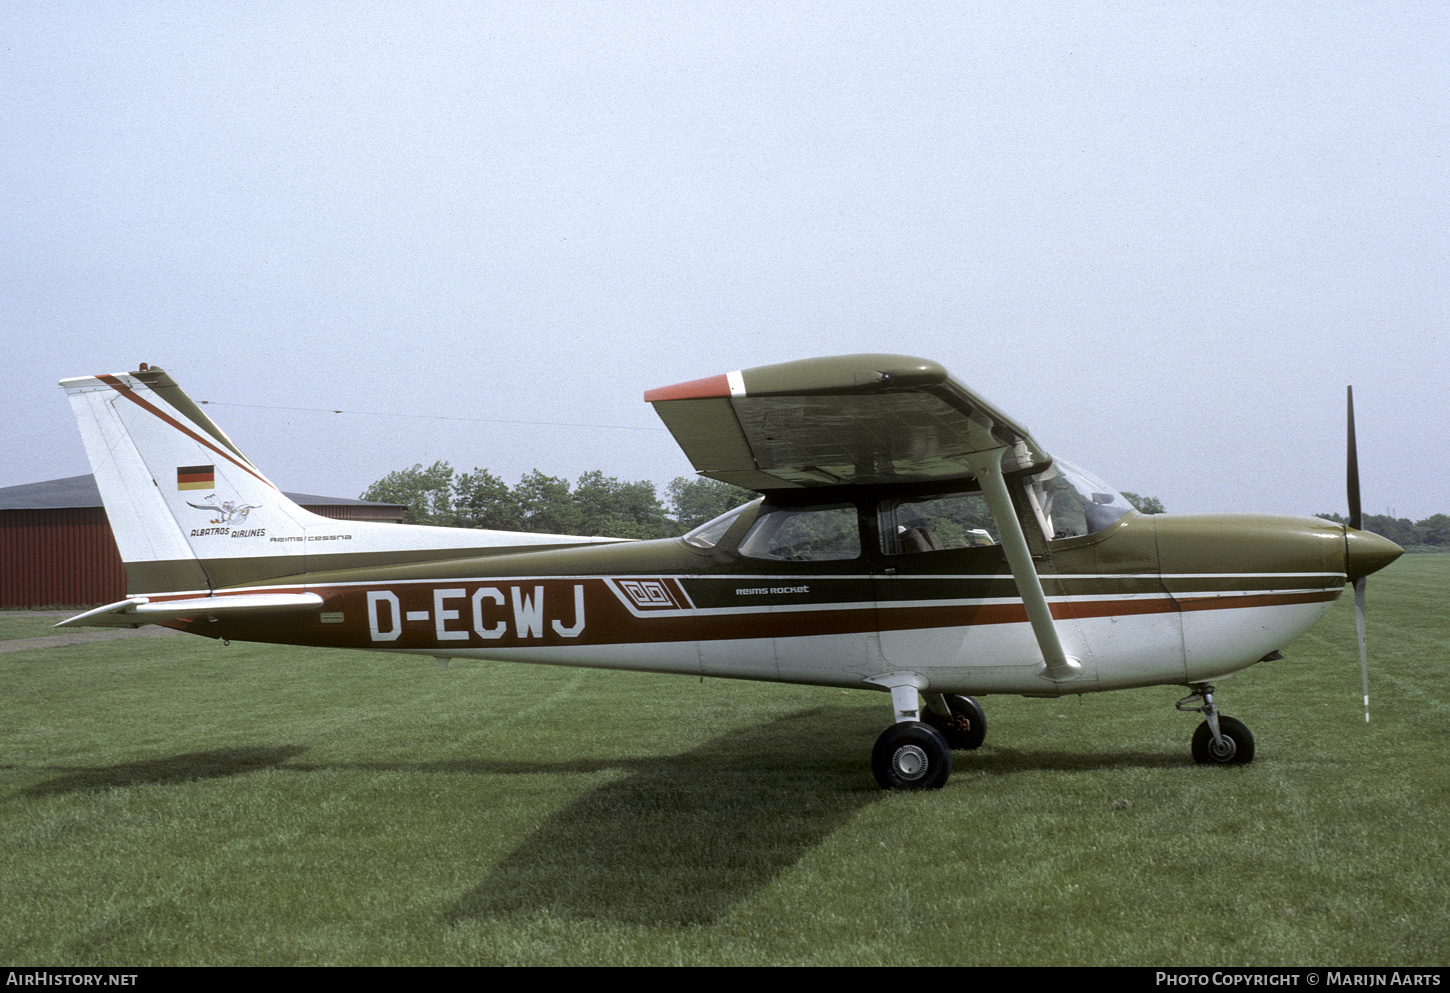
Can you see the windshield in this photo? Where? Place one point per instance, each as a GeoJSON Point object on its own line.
{"type": "Point", "coordinates": [1074, 502]}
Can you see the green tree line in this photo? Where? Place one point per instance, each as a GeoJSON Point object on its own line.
{"type": "Point", "coordinates": [595, 505]}
{"type": "Point", "coordinates": [603, 505]}
{"type": "Point", "coordinates": [1432, 533]}
{"type": "Point", "coordinates": [1144, 504]}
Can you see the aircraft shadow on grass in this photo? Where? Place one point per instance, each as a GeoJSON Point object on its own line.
{"type": "Point", "coordinates": [684, 838]}
{"type": "Point", "coordinates": [677, 841]}
{"type": "Point", "coordinates": [216, 764]}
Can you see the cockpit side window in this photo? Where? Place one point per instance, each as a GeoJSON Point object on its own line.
{"type": "Point", "coordinates": [936, 523]}
{"type": "Point", "coordinates": [804, 534]}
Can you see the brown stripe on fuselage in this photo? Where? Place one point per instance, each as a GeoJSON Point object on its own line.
{"type": "Point", "coordinates": [608, 621]}
{"type": "Point", "coordinates": [1257, 600]}
{"type": "Point", "coordinates": [967, 615]}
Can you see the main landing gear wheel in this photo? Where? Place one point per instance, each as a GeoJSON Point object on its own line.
{"type": "Point", "coordinates": [1236, 746]}
{"type": "Point", "coordinates": [911, 756]}
{"type": "Point", "coordinates": [966, 726]}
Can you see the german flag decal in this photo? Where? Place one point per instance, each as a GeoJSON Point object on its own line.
{"type": "Point", "coordinates": [195, 477]}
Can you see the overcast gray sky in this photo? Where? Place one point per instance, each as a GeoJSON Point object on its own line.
{"type": "Point", "coordinates": [1163, 236]}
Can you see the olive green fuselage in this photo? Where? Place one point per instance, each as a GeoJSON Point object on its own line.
{"type": "Point", "coordinates": [1147, 600]}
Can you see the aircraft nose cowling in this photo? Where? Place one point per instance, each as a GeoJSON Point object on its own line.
{"type": "Point", "coordinates": [1366, 552]}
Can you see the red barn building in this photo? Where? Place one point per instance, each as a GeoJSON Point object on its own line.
{"type": "Point", "coordinates": [56, 547]}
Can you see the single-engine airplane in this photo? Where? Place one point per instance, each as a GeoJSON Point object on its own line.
{"type": "Point", "coordinates": [908, 537]}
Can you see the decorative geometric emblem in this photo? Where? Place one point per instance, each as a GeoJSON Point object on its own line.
{"type": "Point", "coordinates": [646, 592]}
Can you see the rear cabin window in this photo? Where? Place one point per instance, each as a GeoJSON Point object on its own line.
{"type": "Point", "coordinates": [935, 524]}
{"type": "Point", "coordinates": [804, 534]}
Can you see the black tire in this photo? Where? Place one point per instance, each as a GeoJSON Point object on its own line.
{"type": "Point", "coordinates": [965, 729]}
{"type": "Point", "coordinates": [1238, 742]}
{"type": "Point", "coordinates": [911, 756]}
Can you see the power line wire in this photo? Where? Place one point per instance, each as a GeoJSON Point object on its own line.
{"type": "Point", "coordinates": [435, 417]}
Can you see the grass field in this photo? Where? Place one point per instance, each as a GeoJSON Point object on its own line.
{"type": "Point", "coordinates": [22, 624]}
{"type": "Point", "coordinates": [175, 801]}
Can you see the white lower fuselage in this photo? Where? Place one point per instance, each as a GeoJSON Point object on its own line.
{"type": "Point", "coordinates": [835, 629]}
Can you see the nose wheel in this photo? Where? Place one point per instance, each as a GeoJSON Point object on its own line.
{"type": "Point", "coordinates": [1234, 745]}
{"type": "Point", "coordinates": [1219, 740]}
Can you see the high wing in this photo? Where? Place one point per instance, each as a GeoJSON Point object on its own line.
{"type": "Point", "coordinates": [851, 419]}
{"type": "Point", "coordinates": [865, 419]}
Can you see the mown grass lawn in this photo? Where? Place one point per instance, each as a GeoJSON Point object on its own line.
{"type": "Point", "coordinates": [175, 801]}
{"type": "Point", "coordinates": [25, 624]}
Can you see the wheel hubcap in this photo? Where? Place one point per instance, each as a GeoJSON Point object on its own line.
{"type": "Point", "coordinates": [910, 762]}
{"type": "Point", "coordinates": [1222, 750]}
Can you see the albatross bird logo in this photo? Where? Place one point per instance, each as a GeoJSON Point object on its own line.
{"type": "Point", "coordinates": [230, 511]}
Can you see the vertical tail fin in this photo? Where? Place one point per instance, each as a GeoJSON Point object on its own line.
{"type": "Point", "coordinates": [191, 513]}
{"type": "Point", "coordinates": [179, 494]}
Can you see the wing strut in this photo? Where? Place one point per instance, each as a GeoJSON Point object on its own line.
{"type": "Point", "coordinates": [988, 468]}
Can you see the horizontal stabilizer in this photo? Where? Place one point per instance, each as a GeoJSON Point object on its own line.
{"type": "Point", "coordinates": [136, 611]}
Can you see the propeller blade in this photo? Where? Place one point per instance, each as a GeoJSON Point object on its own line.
{"type": "Point", "coordinates": [1356, 521]}
{"type": "Point", "coordinates": [1356, 518]}
{"type": "Point", "coordinates": [1360, 585]}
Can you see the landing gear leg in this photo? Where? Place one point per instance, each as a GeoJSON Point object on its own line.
{"type": "Point", "coordinates": [911, 754]}
{"type": "Point", "coordinates": [1219, 740]}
